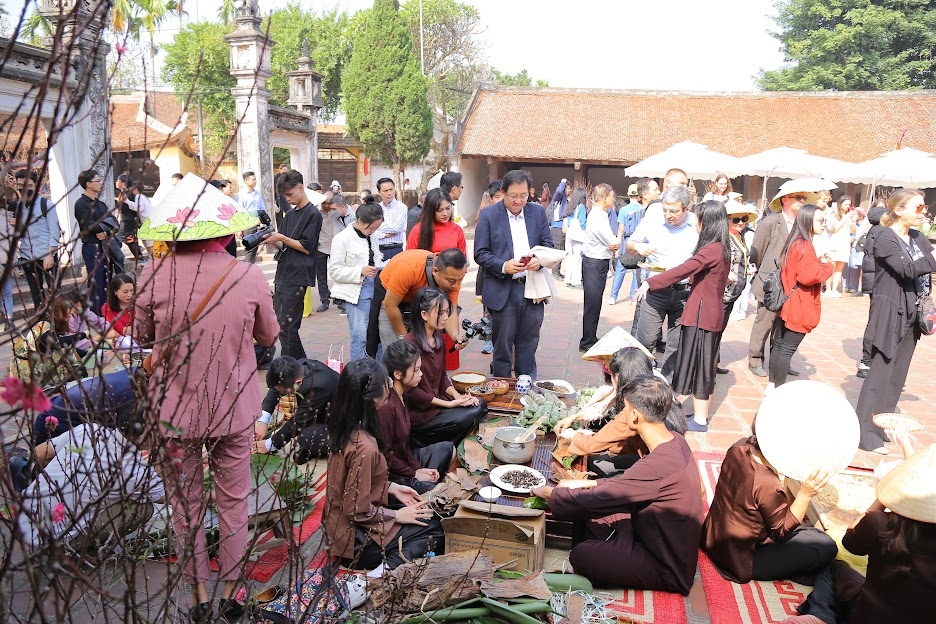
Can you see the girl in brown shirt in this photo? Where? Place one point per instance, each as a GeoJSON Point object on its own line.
{"type": "Point", "coordinates": [361, 529]}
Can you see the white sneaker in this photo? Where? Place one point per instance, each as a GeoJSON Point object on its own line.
{"type": "Point", "coordinates": [611, 301]}
{"type": "Point", "coordinates": [356, 587]}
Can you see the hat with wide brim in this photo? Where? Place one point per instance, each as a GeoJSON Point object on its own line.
{"type": "Point", "coordinates": [195, 210]}
{"type": "Point", "coordinates": [910, 488]}
{"type": "Point", "coordinates": [736, 208]}
{"type": "Point", "coordinates": [611, 343]}
{"type": "Point", "coordinates": [809, 186]}
{"type": "Point", "coordinates": [807, 425]}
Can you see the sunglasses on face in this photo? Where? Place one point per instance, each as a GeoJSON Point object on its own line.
{"type": "Point", "coordinates": [800, 198]}
{"type": "Point", "coordinates": [737, 220]}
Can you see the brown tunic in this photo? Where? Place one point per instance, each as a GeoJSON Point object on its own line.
{"type": "Point", "coordinates": [749, 506]}
{"type": "Point", "coordinates": [395, 427]}
{"type": "Point", "coordinates": [433, 385]}
{"type": "Point", "coordinates": [884, 597]}
{"type": "Point", "coordinates": [661, 494]}
{"type": "Point", "coordinates": [356, 494]}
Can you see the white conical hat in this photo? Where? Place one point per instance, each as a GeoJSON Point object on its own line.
{"type": "Point", "coordinates": [910, 488]}
{"type": "Point", "coordinates": [195, 210]}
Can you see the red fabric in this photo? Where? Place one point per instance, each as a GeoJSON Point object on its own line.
{"type": "Point", "coordinates": [117, 320]}
{"type": "Point", "coordinates": [446, 236]}
{"type": "Point", "coordinates": [801, 311]}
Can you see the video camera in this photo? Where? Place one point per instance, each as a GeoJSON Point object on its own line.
{"type": "Point", "coordinates": [481, 329]}
{"type": "Point", "coordinates": [253, 240]}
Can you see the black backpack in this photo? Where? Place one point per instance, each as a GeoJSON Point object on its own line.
{"type": "Point", "coordinates": [774, 297]}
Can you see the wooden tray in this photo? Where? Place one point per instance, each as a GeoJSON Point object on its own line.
{"type": "Point", "coordinates": [509, 402]}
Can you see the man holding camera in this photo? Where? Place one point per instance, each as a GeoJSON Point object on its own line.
{"type": "Point", "coordinates": [297, 245]}
{"type": "Point", "coordinates": [252, 201]}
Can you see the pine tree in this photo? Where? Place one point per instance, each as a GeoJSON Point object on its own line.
{"type": "Point", "coordinates": [385, 94]}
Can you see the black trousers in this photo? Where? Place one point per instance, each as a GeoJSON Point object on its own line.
{"type": "Point", "coordinates": [800, 557]}
{"type": "Point", "coordinates": [287, 302]}
{"type": "Point", "coordinates": [417, 541]}
{"type": "Point", "coordinates": [866, 340]}
{"type": "Point", "coordinates": [668, 304]}
{"type": "Point", "coordinates": [449, 425]}
{"type": "Point", "coordinates": [128, 236]}
{"type": "Point", "coordinates": [516, 334]}
{"type": "Point", "coordinates": [41, 281]}
{"type": "Point", "coordinates": [835, 590]}
{"type": "Point", "coordinates": [882, 387]}
{"type": "Point", "coordinates": [594, 280]}
{"type": "Point", "coordinates": [436, 456]}
{"type": "Point", "coordinates": [321, 276]}
{"type": "Point", "coordinates": [785, 343]}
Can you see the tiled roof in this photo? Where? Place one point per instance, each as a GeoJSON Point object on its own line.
{"type": "Point", "coordinates": [628, 126]}
{"type": "Point", "coordinates": [133, 129]}
{"type": "Point", "coordinates": [334, 136]}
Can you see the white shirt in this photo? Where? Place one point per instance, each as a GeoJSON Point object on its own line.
{"type": "Point", "coordinates": [518, 234]}
{"type": "Point", "coordinates": [94, 466]}
{"type": "Point", "coordinates": [394, 224]}
{"type": "Point", "coordinates": [598, 235]}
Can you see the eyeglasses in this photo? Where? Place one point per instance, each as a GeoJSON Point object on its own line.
{"type": "Point", "coordinates": [672, 212]}
{"type": "Point", "coordinates": [800, 198]}
{"type": "Point", "coordinates": [517, 196]}
{"type": "Point", "coordinates": [737, 220]}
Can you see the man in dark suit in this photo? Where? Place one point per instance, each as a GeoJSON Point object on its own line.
{"type": "Point", "coordinates": [769, 239]}
{"type": "Point", "coordinates": [504, 236]}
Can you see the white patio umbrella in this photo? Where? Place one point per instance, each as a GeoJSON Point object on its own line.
{"type": "Point", "coordinates": [787, 162]}
{"type": "Point", "coordinates": [904, 167]}
{"type": "Point", "coordinates": [695, 159]}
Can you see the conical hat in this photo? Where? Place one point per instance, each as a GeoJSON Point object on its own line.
{"type": "Point", "coordinates": [611, 343]}
{"type": "Point", "coordinates": [195, 210]}
{"type": "Point", "coordinates": [910, 488]}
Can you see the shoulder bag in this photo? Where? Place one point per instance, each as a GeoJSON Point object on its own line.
{"type": "Point", "coordinates": [925, 307]}
{"type": "Point", "coordinates": [150, 364]}
{"type": "Point", "coordinates": [774, 297]}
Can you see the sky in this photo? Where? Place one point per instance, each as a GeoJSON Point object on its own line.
{"type": "Point", "coordinates": [685, 45]}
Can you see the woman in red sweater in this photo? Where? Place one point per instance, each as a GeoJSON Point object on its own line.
{"type": "Point", "coordinates": [118, 311]}
{"type": "Point", "coordinates": [436, 232]}
{"type": "Point", "coordinates": [703, 316]}
{"type": "Point", "coordinates": [803, 273]}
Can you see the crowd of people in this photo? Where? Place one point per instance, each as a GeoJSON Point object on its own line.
{"type": "Point", "coordinates": [390, 421]}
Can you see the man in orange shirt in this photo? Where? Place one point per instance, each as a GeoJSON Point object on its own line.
{"type": "Point", "coordinates": [397, 284]}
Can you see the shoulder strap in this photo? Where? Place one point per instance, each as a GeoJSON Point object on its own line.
{"type": "Point", "coordinates": [430, 281]}
{"type": "Point", "coordinates": [214, 289]}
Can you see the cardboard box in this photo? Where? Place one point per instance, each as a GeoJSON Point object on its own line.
{"type": "Point", "coordinates": [503, 532]}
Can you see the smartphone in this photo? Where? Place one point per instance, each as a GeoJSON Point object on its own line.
{"type": "Point", "coordinates": [525, 260]}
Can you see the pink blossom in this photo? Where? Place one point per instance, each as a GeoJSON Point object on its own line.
{"type": "Point", "coordinates": [174, 452]}
{"type": "Point", "coordinates": [120, 48]}
{"type": "Point", "coordinates": [184, 217]}
{"type": "Point", "coordinates": [275, 477]}
{"type": "Point", "coordinates": [28, 394]}
{"type": "Point", "coordinates": [226, 212]}
{"type": "Point", "coordinates": [241, 595]}
{"type": "Point", "coordinates": [51, 423]}
{"type": "Point", "coordinates": [58, 513]}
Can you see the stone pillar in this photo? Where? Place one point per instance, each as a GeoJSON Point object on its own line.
{"type": "Point", "coordinates": [77, 34]}
{"type": "Point", "coordinates": [250, 65]}
{"type": "Point", "coordinates": [305, 93]}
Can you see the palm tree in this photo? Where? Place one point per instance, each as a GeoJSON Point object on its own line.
{"type": "Point", "coordinates": [227, 11]}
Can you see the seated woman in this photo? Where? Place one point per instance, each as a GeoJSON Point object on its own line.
{"type": "Point", "coordinates": [118, 309]}
{"type": "Point", "coordinates": [69, 317]}
{"type": "Point", "coordinates": [438, 412]}
{"type": "Point", "coordinates": [615, 447]}
{"type": "Point", "coordinates": [901, 549]}
{"type": "Point", "coordinates": [751, 532]}
{"type": "Point", "coordinates": [420, 468]}
{"type": "Point", "coordinates": [360, 528]}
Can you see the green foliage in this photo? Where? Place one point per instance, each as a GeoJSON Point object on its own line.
{"type": "Point", "coordinates": [198, 63]}
{"type": "Point", "coordinates": [854, 45]}
{"type": "Point", "coordinates": [329, 48]}
{"type": "Point", "coordinates": [521, 79]}
{"type": "Point", "coordinates": [385, 93]}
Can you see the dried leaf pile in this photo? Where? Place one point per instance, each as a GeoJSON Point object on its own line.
{"type": "Point", "coordinates": [457, 486]}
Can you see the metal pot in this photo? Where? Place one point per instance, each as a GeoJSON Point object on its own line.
{"type": "Point", "coordinates": [507, 450]}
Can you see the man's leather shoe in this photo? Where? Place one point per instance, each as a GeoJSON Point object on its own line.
{"type": "Point", "coordinates": [322, 308]}
{"type": "Point", "coordinates": [721, 371]}
{"type": "Point", "coordinates": [758, 370]}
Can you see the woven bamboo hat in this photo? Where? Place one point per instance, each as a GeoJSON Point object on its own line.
{"type": "Point", "coordinates": [910, 488]}
{"type": "Point", "coordinates": [806, 186]}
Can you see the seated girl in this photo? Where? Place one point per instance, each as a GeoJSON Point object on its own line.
{"type": "Point", "coordinates": [615, 447]}
{"type": "Point", "coordinates": [361, 530]}
{"type": "Point", "coordinates": [438, 412]}
{"type": "Point", "coordinates": [70, 317]}
{"type": "Point", "coordinates": [118, 311]}
{"type": "Point", "coordinates": [420, 468]}
{"type": "Point", "coordinates": [751, 532]}
{"type": "Point", "coordinates": [901, 549]}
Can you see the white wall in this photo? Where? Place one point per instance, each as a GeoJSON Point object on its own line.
{"type": "Point", "coordinates": [474, 181]}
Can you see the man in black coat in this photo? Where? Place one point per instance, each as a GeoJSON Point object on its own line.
{"type": "Point", "coordinates": [314, 384]}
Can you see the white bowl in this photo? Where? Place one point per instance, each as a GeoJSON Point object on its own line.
{"type": "Point", "coordinates": [489, 494]}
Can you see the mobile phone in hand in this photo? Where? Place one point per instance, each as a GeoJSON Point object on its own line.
{"type": "Point", "coordinates": [525, 260]}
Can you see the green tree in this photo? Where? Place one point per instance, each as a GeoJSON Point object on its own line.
{"type": "Point", "coordinates": [198, 67]}
{"type": "Point", "coordinates": [521, 79]}
{"type": "Point", "coordinates": [854, 45]}
{"type": "Point", "coordinates": [385, 94]}
{"type": "Point", "coordinates": [329, 48]}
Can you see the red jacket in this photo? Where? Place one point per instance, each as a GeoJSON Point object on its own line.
{"type": "Point", "coordinates": [801, 311]}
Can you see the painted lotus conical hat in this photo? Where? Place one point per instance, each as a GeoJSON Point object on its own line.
{"type": "Point", "coordinates": [195, 210]}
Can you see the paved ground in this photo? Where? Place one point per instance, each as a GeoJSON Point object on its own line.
{"type": "Point", "coordinates": [828, 354]}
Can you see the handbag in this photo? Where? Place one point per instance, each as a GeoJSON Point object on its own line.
{"type": "Point", "coordinates": [926, 318]}
{"type": "Point", "coordinates": [336, 364]}
{"type": "Point", "coordinates": [150, 363]}
{"type": "Point", "coordinates": [774, 297]}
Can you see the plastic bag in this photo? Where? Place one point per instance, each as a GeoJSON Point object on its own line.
{"type": "Point", "coordinates": [336, 365]}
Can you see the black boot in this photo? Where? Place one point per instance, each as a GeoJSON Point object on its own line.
{"type": "Point", "coordinates": [201, 613]}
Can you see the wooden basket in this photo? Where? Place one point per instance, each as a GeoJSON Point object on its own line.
{"type": "Point", "coordinates": [462, 386]}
